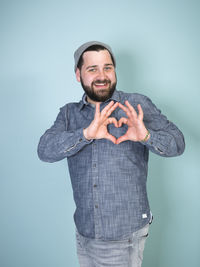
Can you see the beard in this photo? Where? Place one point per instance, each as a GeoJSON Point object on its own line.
{"type": "Point", "coordinates": [100, 95]}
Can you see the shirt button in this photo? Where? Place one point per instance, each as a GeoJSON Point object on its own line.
{"type": "Point", "coordinates": [95, 185]}
{"type": "Point", "coordinates": [94, 165]}
{"type": "Point", "coordinates": [96, 206]}
{"type": "Point", "coordinates": [80, 140]}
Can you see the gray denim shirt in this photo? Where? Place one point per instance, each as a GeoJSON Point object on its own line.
{"type": "Point", "coordinates": [109, 180]}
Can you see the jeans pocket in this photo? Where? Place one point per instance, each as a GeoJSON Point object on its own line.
{"type": "Point", "coordinates": [78, 240]}
{"type": "Point", "coordinates": [144, 232]}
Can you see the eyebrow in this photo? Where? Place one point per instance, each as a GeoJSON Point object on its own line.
{"type": "Point", "coordinates": [109, 64]}
{"type": "Point", "coordinates": [94, 66]}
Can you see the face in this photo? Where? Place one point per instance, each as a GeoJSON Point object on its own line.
{"type": "Point", "coordinates": [97, 75]}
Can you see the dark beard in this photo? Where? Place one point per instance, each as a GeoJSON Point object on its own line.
{"type": "Point", "coordinates": [100, 95]}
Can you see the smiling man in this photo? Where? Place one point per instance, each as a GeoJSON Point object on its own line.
{"type": "Point", "coordinates": [106, 138]}
{"type": "Point", "coordinates": [97, 75]}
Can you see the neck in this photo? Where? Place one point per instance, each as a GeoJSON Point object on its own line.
{"type": "Point", "coordinates": [89, 100]}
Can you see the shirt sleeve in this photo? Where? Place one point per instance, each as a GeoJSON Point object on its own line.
{"type": "Point", "coordinates": [165, 137]}
{"type": "Point", "coordinates": [58, 143]}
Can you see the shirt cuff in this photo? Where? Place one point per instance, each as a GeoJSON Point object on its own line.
{"type": "Point", "coordinates": [157, 141]}
{"type": "Point", "coordinates": [79, 142]}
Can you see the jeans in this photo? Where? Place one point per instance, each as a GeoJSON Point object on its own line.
{"type": "Point", "coordinates": [122, 253]}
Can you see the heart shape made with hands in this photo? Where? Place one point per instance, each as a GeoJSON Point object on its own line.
{"type": "Point", "coordinates": [98, 128]}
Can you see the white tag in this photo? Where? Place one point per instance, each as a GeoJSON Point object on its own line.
{"type": "Point", "coordinates": [144, 216]}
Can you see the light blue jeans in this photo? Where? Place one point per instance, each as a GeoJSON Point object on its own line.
{"type": "Point", "coordinates": [123, 253]}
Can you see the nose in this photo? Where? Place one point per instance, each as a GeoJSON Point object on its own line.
{"type": "Point", "coordinates": [101, 75]}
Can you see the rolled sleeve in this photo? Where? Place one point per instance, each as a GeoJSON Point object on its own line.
{"type": "Point", "coordinates": [164, 144]}
{"type": "Point", "coordinates": [165, 137]}
{"type": "Point", "coordinates": [58, 143]}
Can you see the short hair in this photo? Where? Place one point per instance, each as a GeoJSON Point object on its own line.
{"type": "Point", "coordinates": [96, 48]}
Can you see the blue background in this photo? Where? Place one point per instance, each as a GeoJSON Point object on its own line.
{"type": "Point", "coordinates": [156, 44]}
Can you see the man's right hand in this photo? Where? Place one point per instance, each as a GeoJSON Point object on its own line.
{"type": "Point", "coordinates": [98, 127]}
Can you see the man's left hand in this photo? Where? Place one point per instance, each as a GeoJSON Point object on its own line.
{"type": "Point", "coordinates": [136, 129]}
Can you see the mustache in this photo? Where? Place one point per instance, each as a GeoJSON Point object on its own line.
{"type": "Point", "coordinates": [102, 81]}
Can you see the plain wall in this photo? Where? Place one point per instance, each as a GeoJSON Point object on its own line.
{"type": "Point", "coordinates": [156, 44]}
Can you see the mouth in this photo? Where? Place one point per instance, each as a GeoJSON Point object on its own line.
{"type": "Point", "coordinates": [101, 84]}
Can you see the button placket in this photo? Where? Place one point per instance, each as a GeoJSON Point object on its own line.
{"type": "Point", "coordinates": [95, 190]}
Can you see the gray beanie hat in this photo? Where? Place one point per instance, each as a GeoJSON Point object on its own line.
{"type": "Point", "coordinates": [83, 47]}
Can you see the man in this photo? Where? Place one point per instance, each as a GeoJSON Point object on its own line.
{"type": "Point", "coordinates": [106, 138]}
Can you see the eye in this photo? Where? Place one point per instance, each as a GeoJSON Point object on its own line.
{"type": "Point", "coordinates": [108, 68]}
{"type": "Point", "coordinates": [92, 70]}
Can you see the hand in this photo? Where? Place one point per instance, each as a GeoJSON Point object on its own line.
{"type": "Point", "coordinates": [98, 127]}
{"type": "Point", "coordinates": [136, 128]}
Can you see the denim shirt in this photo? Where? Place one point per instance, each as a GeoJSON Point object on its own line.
{"type": "Point", "coordinates": [109, 180]}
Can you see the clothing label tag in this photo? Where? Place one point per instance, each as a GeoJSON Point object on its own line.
{"type": "Point", "coordinates": [144, 216]}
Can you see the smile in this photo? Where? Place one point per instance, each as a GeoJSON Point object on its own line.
{"type": "Point", "coordinates": [101, 83]}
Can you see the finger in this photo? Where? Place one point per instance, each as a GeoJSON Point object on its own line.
{"type": "Point", "coordinates": [97, 111]}
{"type": "Point", "coordinates": [122, 121]}
{"type": "Point", "coordinates": [125, 109]}
{"type": "Point", "coordinates": [121, 139]}
{"type": "Point", "coordinates": [109, 109]}
{"type": "Point", "coordinates": [112, 120]}
{"type": "Point", "coordinates": [111, 138]}
{"type": "Point", "coordinates": [131, 108]}
{"type": "Point", "coordinates": [140, 111]}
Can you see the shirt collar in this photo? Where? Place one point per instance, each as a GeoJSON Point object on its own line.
{"type": "Point", "coordinates": [115, 97]}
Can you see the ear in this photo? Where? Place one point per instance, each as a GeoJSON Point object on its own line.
{"type": "Point", "coordinates": [78, 75]}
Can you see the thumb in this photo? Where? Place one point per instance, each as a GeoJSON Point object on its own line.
{"type": "Point", "coordinates": [121, 139]}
